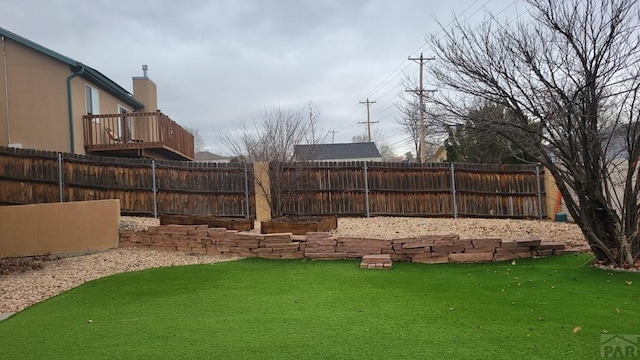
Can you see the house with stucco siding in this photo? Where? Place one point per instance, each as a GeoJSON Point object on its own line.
{"type": "Point", "coordinates": [49, 101]}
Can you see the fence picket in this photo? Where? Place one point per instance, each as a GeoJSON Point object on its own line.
{"type": "Point", "coordinates": [346, 189]}
{"type": "Point", "coordinates": [412, 190]}
{"type": "Point", "coordinates": [143, 187]}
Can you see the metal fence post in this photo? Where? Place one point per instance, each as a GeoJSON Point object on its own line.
{"type": "Point", "coordinates": [366, 189]}
{"type": "Point", "coordinates": [453, 191]}
{"type": "Point", "coordinates": [155, 189]}
{"type": "Point", "coordinates": [60, 177]}
{"type": "Point", "coordinates": [539, 192]}
{"type": "Point", "coordinates": [246, 191]}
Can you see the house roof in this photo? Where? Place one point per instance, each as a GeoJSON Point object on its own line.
{"type": "Point", "coordinates": [90, 73]}
{"type": "Point", "coordinates": [364, 150]}
{"type": "Point", "coordinates": [209, 156]}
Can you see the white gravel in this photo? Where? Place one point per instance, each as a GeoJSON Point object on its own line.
{"type": "Point", "coordinates": [20, 290]}
{"type": "Point", "coordinates": [506, 229]}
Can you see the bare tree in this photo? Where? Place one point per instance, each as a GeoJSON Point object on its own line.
{"type": "Point", "coordinates": [409, 119]}
{"type": "Point", "coordinates": [570, 76]}
{"type": "Point", "coordinates": [198, 141]}
{"type": "Point", "coordinates": [408, 156]}
{"type": "Point", "coordinates": [268, 142]}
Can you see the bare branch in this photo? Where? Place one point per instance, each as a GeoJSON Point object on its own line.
{"type": "Point", "coordinates": [570, 77]}
{"type": "Point", "coordinates": [269, 140]}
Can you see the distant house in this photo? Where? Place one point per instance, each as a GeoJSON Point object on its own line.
{"type": "Point", "coordinates": [440, 155]}
{"type": "Point", "coordinates": [205, 156]}
{"type": "Point", "coordinates": [49, 101]}
{"type": "Point", "coordinates": [365, 151]}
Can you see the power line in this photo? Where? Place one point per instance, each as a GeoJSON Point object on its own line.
{"type": "Point", "coordinates": [379, 111]}
{"type": "Point", "coordinates": [333, 135]}
{"type": "Point", "coordinates": [403, 65]}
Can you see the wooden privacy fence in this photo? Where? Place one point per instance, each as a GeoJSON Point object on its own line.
{"type": "Point", "coordinates": [392, 189]}
{"type": "Point", "coordinates": [144, 187]}
{"type": "Point", "coordinates": [147, 187]}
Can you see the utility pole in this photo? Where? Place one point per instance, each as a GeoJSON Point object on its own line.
{"type": "Point", "coordinates": [368, 122]}
{"type": "Point", "coordinates": [333, 135]}
{"type": "Point", "coordinates": [420, 91]}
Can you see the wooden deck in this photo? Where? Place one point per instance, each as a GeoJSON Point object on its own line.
{"type": "Point", "coordinates": [150, 135]}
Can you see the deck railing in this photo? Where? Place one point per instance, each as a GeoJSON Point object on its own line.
{"type": "Point", "coordinates": [136, 130]}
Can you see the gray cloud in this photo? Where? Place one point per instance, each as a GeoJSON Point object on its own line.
{"type": "Point", "coordinates": [218, 63]}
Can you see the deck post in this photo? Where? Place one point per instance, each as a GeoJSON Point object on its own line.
{"type": "Point", "coordinates": [155, 189]}
{"type": "Point", "coordinates": [246, 191]}
{"type": "Point", "coordinates": [60, 178]}
{"type": "Point", "coordinates": [366, 189]}
{"type": "Point", "coordinates": [453, 191]}
{"type": "Point", "coordinates": [539, 192]}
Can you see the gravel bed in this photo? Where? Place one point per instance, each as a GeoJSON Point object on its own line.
{"type": "Point", "coordinates": [137, 223]}
{"type": "Point", "coordinates": [20, 290]}
{"type": "Point", "coordinates": [506, 229]}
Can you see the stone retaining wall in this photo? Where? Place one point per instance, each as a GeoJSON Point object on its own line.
{"type": "Point", "coordinates": [431, 249]}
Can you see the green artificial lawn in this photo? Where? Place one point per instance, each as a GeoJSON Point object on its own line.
{"type": "Point", "coordinates": [301, 309]}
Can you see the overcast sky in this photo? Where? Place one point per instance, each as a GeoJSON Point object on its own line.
{"type": "Point", "coordinates": [220, 63]}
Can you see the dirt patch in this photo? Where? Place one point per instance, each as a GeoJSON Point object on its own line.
{"type": "Point", "coordinates": [18, 265]}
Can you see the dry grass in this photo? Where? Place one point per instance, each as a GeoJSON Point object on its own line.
{"type": "Point", "coordinates": [22, 264]}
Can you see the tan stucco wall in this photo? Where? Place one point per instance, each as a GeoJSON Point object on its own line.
{"type": "Point", "coordinates": [555, 202]}
{"type": "Point", "coordinates": [59, 228]}
{"type": "Point", "coordinates": [262, 182]}
{"type": "Point", "coordinates": [551, 190]}
{"type": "Point", "coordinates": [37, 98]}
{"type": "Point", "coordinates": [144, 89]}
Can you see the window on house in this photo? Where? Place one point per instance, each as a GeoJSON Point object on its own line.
{"type": "Point", "coordinates": [92, 100]}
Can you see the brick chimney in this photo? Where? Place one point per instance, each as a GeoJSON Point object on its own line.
{"type": "Point", "coordinates": [144, 90]}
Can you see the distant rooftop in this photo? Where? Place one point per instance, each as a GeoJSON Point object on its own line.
{"type": "Point", "coordinates": [365, 151]}
{"type": "Point", "coordinates": [209, 156]}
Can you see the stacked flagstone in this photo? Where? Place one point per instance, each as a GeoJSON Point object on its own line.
{"type": "Point", "coordinates": [430, 249]}
{"type": "Point", "coordinates": [382, 261]}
